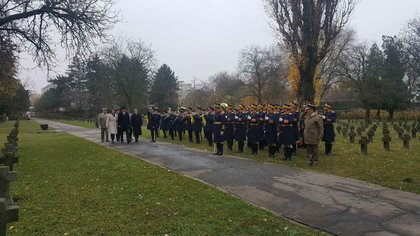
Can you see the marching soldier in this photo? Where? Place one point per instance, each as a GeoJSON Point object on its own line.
{"type": "Point", "coordinates": [288, 138]}
{"type": "Point", "coordinates": [295, 124]}
{"type": "Point", "coordinates": [240, 128]}
{"type": "Point", "coordinates": [229, 131]}
{"type": "Point", "coordinates": [329, 118]}
{"type": "Point", "coordinates": [253, 129]}
{"type": "Point", "coordinates": [208, 125]}
{"type": "Point", "coordinates": [270, 130]}
{"type": "Point", "coordinates": [219, 129]}
{"type": "Point", "coordinates": [179, 123]}
{"type": "Point", "coordinates": [153, 119]}
{"type": "Point", "coordinates": [261, 117]}
{"type": "Point", "coordinates": [197, 125]}
{"type": "Point", "coordinates": [314, 130]}
{"type": "Point", "coordinates": [188, 123]}
{"type": "Point", "coordinates": [170, 123]}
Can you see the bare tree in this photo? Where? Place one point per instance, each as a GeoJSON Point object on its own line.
{"type": "Point", "coordinates": [34, 23]}
{"type": "Point", "coordinates": [309, 29]}
{"type": "Point", "coordinates": [261, 69]}
{"type": "Point", "coordinates": [131, 66]}
{"type": "Point", "coordinates": [411, 41]}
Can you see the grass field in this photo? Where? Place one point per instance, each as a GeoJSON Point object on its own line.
{"type": "Point", "coordinates": [84, 124]}
{"type": "Point", "coordinates": [398, 169]}
{"type": "Point", "coordinates": [69, 186]}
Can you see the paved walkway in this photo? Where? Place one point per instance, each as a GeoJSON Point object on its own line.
{"type": "Point", "coordinates": [330, 203]}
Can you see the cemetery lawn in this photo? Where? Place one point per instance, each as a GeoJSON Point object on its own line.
{"type": "Point", "coordinates": [70, 186]}
{"type": "Point", "coordinates": [84, 124]}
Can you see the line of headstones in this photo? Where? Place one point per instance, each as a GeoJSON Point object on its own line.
{"type": "Point", "coordinates": [366, 133]}
{"type": "Point", "coordinates": [8, 209]}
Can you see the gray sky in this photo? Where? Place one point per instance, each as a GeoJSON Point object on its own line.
{"type": "Point", "coordinates": [200, 38]}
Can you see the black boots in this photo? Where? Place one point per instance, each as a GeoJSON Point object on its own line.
{"type": "Point", "coordinates": [288, 153]}
{"type": "Point", "coordinates": [229, 144]}
{"type": "Point", "coordinates": [328, 148]}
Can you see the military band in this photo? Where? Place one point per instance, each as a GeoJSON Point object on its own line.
{"type": "Point", "coordinates": [258, 126]}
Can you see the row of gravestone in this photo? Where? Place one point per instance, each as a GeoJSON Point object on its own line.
{"type": "Point", "coordinates": [8, 209]}
{"type": "Point", "coordinates": [347, 129]}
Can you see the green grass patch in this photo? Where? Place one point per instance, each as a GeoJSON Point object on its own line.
{"type": "Point", "coordinates": [80, 123]}
{"type": "Point", "coordinates": [69, 186]}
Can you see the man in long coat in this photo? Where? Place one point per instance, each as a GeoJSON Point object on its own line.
{"type": "Point", "coordinates": [124, 124]}
{"type": "Point", "coordinates": [136, 123]}
{"type": "Point", "coordinates": [314, 130]}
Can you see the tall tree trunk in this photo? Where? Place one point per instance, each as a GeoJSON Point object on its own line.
{"type": "Point", "coordinates": [391, 114]}
{"type": "Point", "coordinates": [306, 88]}
{"type": "Point", "coordinates": [378, 114]}
{"type": "Point", "coordinates": [367, 115]}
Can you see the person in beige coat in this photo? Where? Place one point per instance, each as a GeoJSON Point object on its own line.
{"type": "Point", "coordinates": [111, 124]}
{"type": "Point", "coordinates": [102, 124]}
{"type": "Point", "coordinates": [314, 130]}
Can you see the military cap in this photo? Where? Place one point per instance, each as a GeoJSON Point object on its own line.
{"type": "Point", "coordinates": [216, 105]}
{"type": "Point", "coordinates": [311, 106]}
{"type": "Point", "coordinates": [253, 106]}
{"type": "Point", "coordinates": [328, 106]}
{"type": "Point", "coordinates": [271, 106]}
{"type": "Point", "coordinates": [286, 106]}
{"type": "Point", "coordinates": [293, 104]}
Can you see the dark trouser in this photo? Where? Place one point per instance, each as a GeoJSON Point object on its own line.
{"type": "Point", "coordinates": [118, 134]}
{"type": "Point", "coordinates": [241, 146]}
{"type": "Point", "coordinates": [153, 134]}
{"type": "Point", "coordinates": [164, 133]}
{"type": "Point", "coordinates": [172, 134]}
{"type": "Point", "coordinates": [104, 134]}
{"type": "Point", "coordinates": [278, 146]}
{"type": "Point", "coordinates": [271, 150]}
{"type": "Point", "coordinates": [197, 137]}
{"type": "Point", "coordinates": [312, 153]}
{"type": "Point", "coordinates": [180, 135]}
{"type": "Point", "coordinates": [190, 136]}
{"type": "Point", "coordinates": [112, 137]}
{"type": "Point", "coordinates": [136, 136]}
{"type": "Point", "coordinates": [254, 148]}
{"type": "Point", "coordinates": [230, 144]}
{"type": "Point", "coordinates": [157, 132]}
{"type": "Point", "coordinates": [261, 144]}
{"type": "Point", "coordinates": [288, 150]}
{"type": "Point", "coordinates": [294, 147]}
{"type": "Point", "coordinates": [219, 149]}
{"type": "Point", "coordinates": [328, 148]}
{"type": "Point", "coordinates": [209, 137]}
{"type": "Point", "coordinates": [127, 134]}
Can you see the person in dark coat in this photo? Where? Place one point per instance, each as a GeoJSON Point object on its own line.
{"type": "Point", "coordinates": [179, 124]}
{"type": "Point", "coordinates": [261, 117]}
{"type": "Point", "coordinates": [229, 130]}
{"type": "Point", "coordinates": [295, 124]}
{"type": "Point", "coordinates": [208, 125]}
{"type": "Point", "coordinates": [197, 123]}
{"type": "Point", "coordinates": [240, 128]}
{"type": "Point", "coordinates": [288, 137]}
{"type": "Point", "coordinates": [270, 130]}
{"type": "Point", "coordinates": [136, 123]}
{"type": "Point", "coordinates": [253, 134]}
{"type": "Point", "coordinates": [329, 118]}
{"type": "Point", "coordinates": [219, 125]}
{"type": "Point", "coordinates": [153, 118]}
{"type": "Point", "coordinates": [124, 124]}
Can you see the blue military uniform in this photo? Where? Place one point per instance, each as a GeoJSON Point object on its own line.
{"type": "Point", "coordinates": [197, 127]}
{"type": "Point", "coordinates": [208, 127]}
{"type": "Point", "coordinates": [219, 132]}
{"type": "Point", "coordinates": [288, 137]}
{"type": "Point", "coordinates": [229, 129]}
{"type": "Point", "coordinates": [329, 135]}
{"type": "Point", "coordinates": [270, 130]}
{"type": "Point", "coordinates": [240, 130]}
{"type": "Point", "coordinates": [253, 132]}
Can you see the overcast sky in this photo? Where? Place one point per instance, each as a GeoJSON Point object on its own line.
{"type": "Point", "coordinates": [198, 38]}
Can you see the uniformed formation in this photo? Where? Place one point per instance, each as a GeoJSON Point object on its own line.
{"type": "Point", "coordinates": [256, 126]}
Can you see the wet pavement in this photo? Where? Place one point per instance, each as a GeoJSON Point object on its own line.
{"type": "Point", "coordinates": [333, 204]}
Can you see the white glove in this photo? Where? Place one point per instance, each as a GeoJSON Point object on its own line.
{"type": "Point", "coordinates": [222, 132]}
{"type": "Point", "coordinates": [324, 117]}
{"type": "Point", "coordinates": [281, 119]}
{"type": "Point", "coordinates": [266, 118]}
{"type": "Point", "coordinates": [236, 117]}
{"type": "Point", "coordinates": [249, 117]}
{"type": "Point", "coordinates": [226, 117]}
